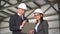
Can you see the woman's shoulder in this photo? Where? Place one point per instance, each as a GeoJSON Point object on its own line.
{"type": "Point", "coordinates": [45, 22]}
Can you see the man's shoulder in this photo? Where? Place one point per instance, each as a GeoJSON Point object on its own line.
{"type": "Point", "coordinates": [13, 15]}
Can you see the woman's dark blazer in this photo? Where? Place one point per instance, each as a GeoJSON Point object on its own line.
{"type": "Point", "coordinates": [14, 24]}
{"type": "Point", "coordinates": [42, 28]}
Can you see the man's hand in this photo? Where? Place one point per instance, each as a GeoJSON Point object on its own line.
{"type": "Point", "coordinates": [31, 32]}
{"type": "Point", "coordinates": [23, 24]}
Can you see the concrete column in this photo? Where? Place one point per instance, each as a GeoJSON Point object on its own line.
{"type": "Point", "coordinates": [59, 13]}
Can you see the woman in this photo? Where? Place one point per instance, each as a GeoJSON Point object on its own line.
{"type": "Point", "coordinates": [41, 26]}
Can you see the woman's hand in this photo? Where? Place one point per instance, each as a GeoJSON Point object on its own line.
{"type": "Point", "coordinates": [31, 31]}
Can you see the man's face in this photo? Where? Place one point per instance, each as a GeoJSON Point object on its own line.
{"type": "Point", "coordinates": [21, 11]}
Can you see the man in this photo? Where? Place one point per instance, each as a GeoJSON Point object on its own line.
{"type": "Point", "coordinates": [18, 21]}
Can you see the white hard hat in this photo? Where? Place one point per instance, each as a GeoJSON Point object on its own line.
{"type": "Point", "coordinates": [38, 11]}
{"type": "Point", "coordinates": [22, 6]}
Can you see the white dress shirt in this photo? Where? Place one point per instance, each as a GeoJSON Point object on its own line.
{"type": "Point", "coordinates": [37, 26]}
{"type": "Point", "coordinates": [21, 16]}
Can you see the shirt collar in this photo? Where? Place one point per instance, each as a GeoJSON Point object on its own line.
{"type": "Point", "coordinates": [19, 14]}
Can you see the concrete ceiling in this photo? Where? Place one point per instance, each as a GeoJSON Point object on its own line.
{"type": "Point", "coordinates": [9, 7]}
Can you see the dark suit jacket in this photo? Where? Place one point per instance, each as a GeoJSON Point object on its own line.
{"type": "Point", "coordinates": [42, 28]}
{"type": "Point", "coordinates": [14, 23]}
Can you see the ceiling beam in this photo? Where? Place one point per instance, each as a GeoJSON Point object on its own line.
{"type": "Point", "coordinates": [2, 16]}
{"type": "Point", "coordinates": [37, 4]}
{"type": "Point", "coordinates": [7, 2]}
{"type": "Point", "coordinates": [14, 5]}
{"type": "Point", "coordinates": [5, 13]}
{"type": "Point", "coordinates": [49, 8]}
{"type": "Point", "coordinates": [11, 11]}
{"type": "Point", "coordinates": [29, 7]}
{"type": "Point", "coordinates": [45, 15]}
{"type": "Point", "coordinates": [51, 5]}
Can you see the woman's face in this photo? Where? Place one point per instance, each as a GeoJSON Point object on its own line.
{"type": "Point", "coordinates": [37, 16]}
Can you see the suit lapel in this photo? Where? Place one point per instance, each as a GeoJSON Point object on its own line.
{"type": "Point", "coordinates": [40, 27]}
